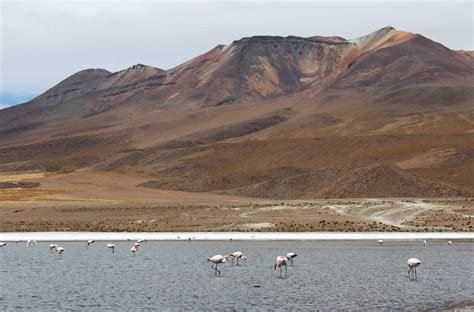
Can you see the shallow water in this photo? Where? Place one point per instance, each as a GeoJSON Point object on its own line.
{"type": "Point", "coordinates": [175, 275]}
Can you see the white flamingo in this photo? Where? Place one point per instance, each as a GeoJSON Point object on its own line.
{"type": "Point", "coordinates": [424, 243]}
{"type": "Point", "coordinates": [52, 247]}
{"type": "Point", "coordinates": [450, 243]}
{"type": "Point", "coordinates": [216, 260]}
{"type": "Point", "coordinates": [111, 247]}
{"type": "Point", "coordinates": [291, 256]}
{"type": "Point", "coordinates": [90, 242]}
{"type": "Point", "coordinates": [380, 242]}
{"type": "Point", "coordinates": [412, 264]}
{"type": "Point", "coordinates": [237, 255]}
{"type": "Point", "coordinates": [281, 261]}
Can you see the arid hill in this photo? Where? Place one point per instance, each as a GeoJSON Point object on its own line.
{"type": "Point", "coordinates": [389, 114]}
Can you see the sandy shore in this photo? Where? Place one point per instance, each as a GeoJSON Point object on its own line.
{"type": "Point", "coordinates": [219, 236]}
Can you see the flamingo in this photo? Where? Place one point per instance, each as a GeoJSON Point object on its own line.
{"type": "Point", "coordinates": [136, 245]}
{"type": "Point", "coordinates": [133, 250]}
{"type": "Point", "coordinates": [59, 250]}
{"type": "Point", "coordinates": [412, 264]}
{"type": "Point", "coordinates": [380, 242]}
{"type": "Point", "coordinates": [424, 243]}
{"type": "Point", "coordinates": [2, 244]}
{"type": "Point", "coordinates": [281, 262]}
{"type": "Point", "coordinates": [111, 247]}
{"type": "Point", "coordinates": [237, 255]}
{"type": "Point", "coordinates": [140, 241]}
{"type": "Point", "coordinates": [450, 243]}
{"type": "Point", "coordinates": [52, 247]}
{"type": "Point", "coordinates": [216, 260]}
{"type": "Point", "coordinates": [290, 257]}
{"type": "Point", "coordinates": [28, 243]}
{"type": "Point", "coordinates": [90, 242]}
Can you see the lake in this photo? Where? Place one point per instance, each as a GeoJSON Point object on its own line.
{"type": "Point", "coordinates": [351, 275]}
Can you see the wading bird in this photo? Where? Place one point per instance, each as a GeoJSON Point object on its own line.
{"type": "Point", "coordinates": [90, 242]}
{"type": "Point", "coordinates": [380, 242]}
{"type": "Point", "coordinates": [412, 264]}
{"type": "Point", "coordinates": [111, 247]}
{"type": "Point", "coordinates": [133, 249]}
{"type": "Point", "coordinates": [424, 243]}
{"type": "Point", "coordinates": [217, 259]}
{"type": "Point", "coordinates": [29, 242]}
{"type": "Point", "coordinates": [290, 257]}
{"type": "Point", "coordinates": [140, 241]}
{"type": "Point", "coordinates": [52, 247]}
{"type": "Point", "coordinates": [450, 243]}
{"type": "Point", "coordinates": [59, 250]}
{"type": "Point", "coordinates": [2, 244]}
{"type": "Point", "coordinates": [237, 255]}
{"type": "Point", "coordinates": [281, 262]}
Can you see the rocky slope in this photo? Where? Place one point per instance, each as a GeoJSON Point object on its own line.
{"type": "Point", "coordinates": [266, 116]}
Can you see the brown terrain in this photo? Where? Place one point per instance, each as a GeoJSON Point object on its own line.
{"type": "Point", "coordinates": [266, 133]}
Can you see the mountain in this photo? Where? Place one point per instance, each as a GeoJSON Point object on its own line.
{"type": "Point", "coordinates": [266, 116]}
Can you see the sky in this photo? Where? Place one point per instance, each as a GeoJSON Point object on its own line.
{"type": "Point", "coordinates": [44, 42]}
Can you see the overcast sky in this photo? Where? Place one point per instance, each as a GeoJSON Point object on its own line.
{"type": "Point", "coordinates": [43, 42]}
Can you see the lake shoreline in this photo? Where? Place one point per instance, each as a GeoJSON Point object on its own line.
{"type": "Point", "coordinates": [234, 236]}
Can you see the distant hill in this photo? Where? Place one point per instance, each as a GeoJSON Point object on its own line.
{"type": "Point", "coordinates": [389, 114]}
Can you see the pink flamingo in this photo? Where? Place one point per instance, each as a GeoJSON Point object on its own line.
{"type": "Point", "coordinates": [52, 247]}
{"type": "Point", "coordinates": [111, 247]}
{"type": "Point", "coordinates": [412, 264]}
{"type": "Point", "coordinates": [237, 255]}
{"type": "Point", "coordinates": [217, 259]}
{"type": "Point", "coordinates": [281, 262]}
{"type": "Point", "coordinates": [133, 250]}
{"type": "Point", "coordinates": [90, 242]}
{"type": "Point", "coordinates": [291, 256]}
{"type": "Point", "coordinates": [140, 241]}
{"type": "Point", "coordinates": [59, 250]}
{"type": "Point", "coordinates": [380, 242]}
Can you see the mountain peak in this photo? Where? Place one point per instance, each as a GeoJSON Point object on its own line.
{"type": "Point", "coordinates": [87, 74]}
{"type": "Point", "coordinates": [386, 28]}
{"type": "Point", "coordinates": [142, 66]}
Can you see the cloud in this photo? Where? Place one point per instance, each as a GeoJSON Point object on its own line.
{"type": "Point", "coordinates": [43, 42]}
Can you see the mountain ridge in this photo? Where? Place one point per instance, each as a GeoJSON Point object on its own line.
{"type": "Point", "coordinates": [309, 117]}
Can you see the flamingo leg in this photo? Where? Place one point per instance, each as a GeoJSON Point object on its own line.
{"type": "Point", "coordinates": [237, 261]}
{"type": "Point", "coordinates": [416, 277]}
{"type": "Point", "coordinates": [286, 270]}
{"type": "Point", "coordinates": [232, 261]}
